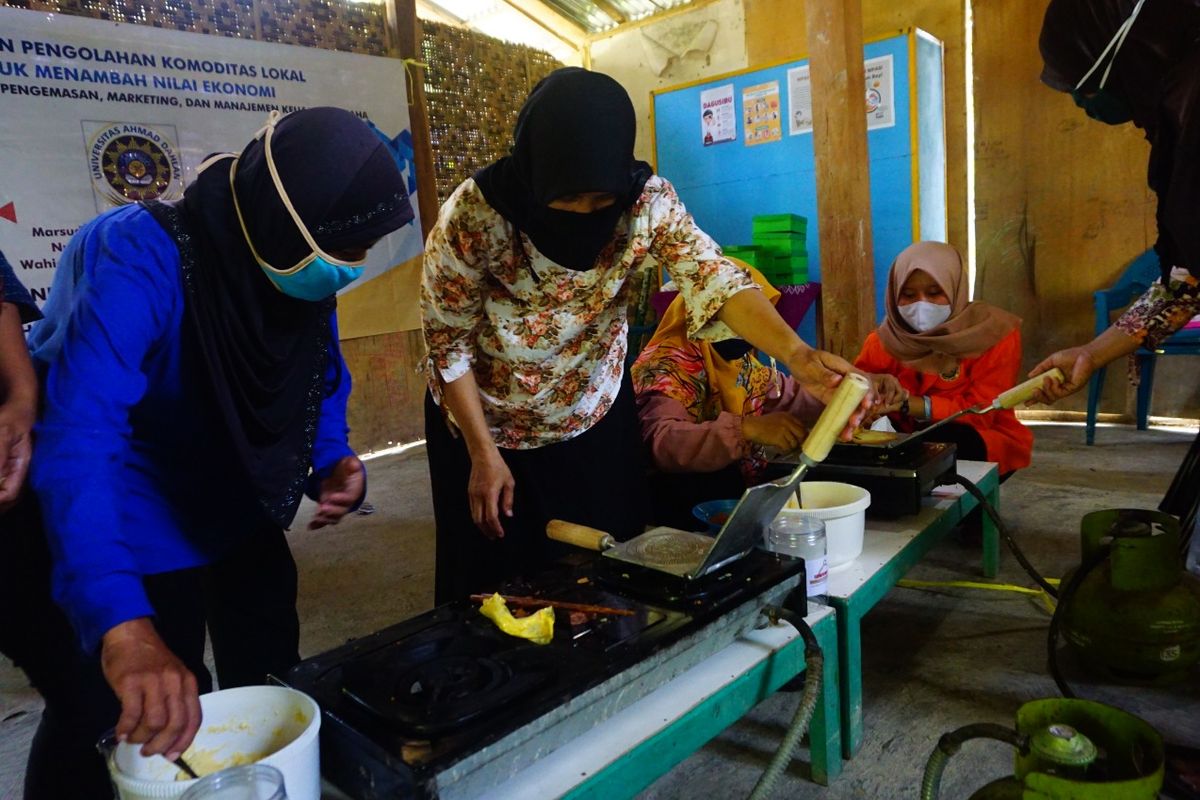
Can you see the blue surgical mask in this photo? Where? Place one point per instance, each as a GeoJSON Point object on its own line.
{"type": "Point", "coordinates": [923, 316]}
{"type": "Point", "coordinates": [316, 276]}
{"type": "Point", "coordinates": [1104, 105]}
{"type": "Point", "coordinates": [315, 280]}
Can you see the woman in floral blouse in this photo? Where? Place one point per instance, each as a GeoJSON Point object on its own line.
{"type": "Point", "coordinates": [526, 283]}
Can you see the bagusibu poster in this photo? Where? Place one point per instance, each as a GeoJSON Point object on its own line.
{"type": "Point", "coordinates": [95, 114]}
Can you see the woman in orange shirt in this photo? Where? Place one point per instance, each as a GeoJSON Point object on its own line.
{"type": "Point", "coordinates": [949, 354]}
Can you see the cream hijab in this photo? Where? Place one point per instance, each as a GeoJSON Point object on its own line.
{"type": "Point", "coordinates": [971, 330]}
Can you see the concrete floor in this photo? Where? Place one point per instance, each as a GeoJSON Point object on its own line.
{"type": "Point", "coordinates": [934, 660]}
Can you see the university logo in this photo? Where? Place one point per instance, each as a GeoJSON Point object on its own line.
{"type": "Point", "coordinates": [131, 162]}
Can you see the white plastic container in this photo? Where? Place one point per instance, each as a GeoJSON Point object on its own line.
{"type": "Point", "coordinates": [269, 725]}
{"type": "Point", "coordinates": [795, 533]}
{"type": "Point", "coordinates": [843, 509]}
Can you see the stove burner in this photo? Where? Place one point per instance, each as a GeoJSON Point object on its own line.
{"type": "Point", "coordinates": [447, 680]}
{"type": "Point", "coordinates": [444, 677]}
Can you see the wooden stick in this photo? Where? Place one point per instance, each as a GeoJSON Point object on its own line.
{"type": "Point", "coordinates": [541, 601]}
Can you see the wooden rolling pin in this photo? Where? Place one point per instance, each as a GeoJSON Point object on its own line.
{"type": "Point", "coordinates": [824, 434]}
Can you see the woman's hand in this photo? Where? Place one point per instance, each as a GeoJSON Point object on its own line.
{"type": "Point", "coordinates": [1075, 362]}
{"type": "Point", "coordinates": [779, 430]}
{"type": "Point", "coordinates": [160, 701]}
{"type": "Point", "coordinates": [16, 447]}
{"type": "Point", "coordinates": [339, 492]}
{"type": "Point", "coordinates": [820, 372]}
{"type": "Point", "coordinates": [490, 492]}
{"type": "Point", "coordinates": [18, 391]}
{"type": "Point", "coordinates": [889, 393]}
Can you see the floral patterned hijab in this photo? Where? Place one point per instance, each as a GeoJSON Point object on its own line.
{"type": "Point", "coordinates": [694, 372]}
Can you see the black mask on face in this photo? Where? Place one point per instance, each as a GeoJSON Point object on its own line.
{"type": "Point", "coordinates": [1104, 106]}
{"type": "Point", "coordinates": [571, 239]}
{"type": "Point", "coordinates": [732, 349]}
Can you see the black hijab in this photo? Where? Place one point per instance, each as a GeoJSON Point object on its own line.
{"type": "Point", "coordinates": [574, 134]}
{"type": "Point", "coordinates": [1157, 71]}
{"type": "Point", "coordinates": [264, 352]}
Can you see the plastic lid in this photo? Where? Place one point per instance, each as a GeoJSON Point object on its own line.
{"type": "Point", "coordinates": [249, 782]}
{"type": "Point", "coordinates": [796, 523]}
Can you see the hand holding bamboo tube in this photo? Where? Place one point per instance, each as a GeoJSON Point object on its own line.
{"type": "Point", "coordinates": [846, 402]}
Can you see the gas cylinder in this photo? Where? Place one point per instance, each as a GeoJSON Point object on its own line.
{"type": "Point", "coordinates": [1135, 616]}
{"type": "Point", "coordinates": [1073, 749]}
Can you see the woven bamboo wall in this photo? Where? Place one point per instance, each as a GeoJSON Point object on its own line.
{"type": "Point", "coordinates": [474, 87]}
{"type": "Point", "coordinates": [330, 24]}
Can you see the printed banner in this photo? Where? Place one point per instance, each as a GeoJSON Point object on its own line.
{"type": "Point", "coordinates": [95, 114]}
{"type": "Point", "coordinates": [718, 120]}
{"type": "Point", "coordinates": [760, 113]}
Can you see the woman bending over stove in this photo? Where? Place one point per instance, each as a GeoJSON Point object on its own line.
{"type": "Point", "coordinates": [949, 354]}
{"type": "Point", "coordinates": [194, 390]}
{"type": "Point", "coordinates": [530, 415]}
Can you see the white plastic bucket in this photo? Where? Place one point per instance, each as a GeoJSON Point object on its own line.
{"type": "Point", "coordinates": [843, 509]}
{"type": "Point", "coordinates": [269, 725]}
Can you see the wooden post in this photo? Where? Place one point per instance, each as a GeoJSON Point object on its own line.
{"type": "Point", "coordinates": [835, 46]}
{"type": "Point", "coordinates": [408, 46]}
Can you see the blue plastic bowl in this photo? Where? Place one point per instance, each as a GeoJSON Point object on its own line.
{"type": "Point", "coordinates": [713, 513]}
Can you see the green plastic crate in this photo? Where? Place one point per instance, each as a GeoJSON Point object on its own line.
{"type": "Point", "coordinates": [786, 246]}
{"type": "Point", "coordinates": [752, 255]}
{"type": "Point", "coordinates": [787, 278]}
{"type": "Point", "coordinates": [779, 223]}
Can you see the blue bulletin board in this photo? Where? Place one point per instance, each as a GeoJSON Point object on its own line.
{"type": "Point", "coordinates": [725, 185]}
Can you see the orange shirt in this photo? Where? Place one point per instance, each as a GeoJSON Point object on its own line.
{"type": "Point", "coordinates": [979, 381]}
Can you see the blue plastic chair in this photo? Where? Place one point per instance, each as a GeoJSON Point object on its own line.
{"type": "Point", "coordinates": [1136, 279]}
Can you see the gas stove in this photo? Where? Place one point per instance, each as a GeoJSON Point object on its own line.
{"type": "Point", "coordinates": [446, 706]}
{"type": "Point", "coordinates": [897, 478]}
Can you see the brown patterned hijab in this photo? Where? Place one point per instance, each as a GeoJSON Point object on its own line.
{"type": "Point", "coordinates": [971, 330]}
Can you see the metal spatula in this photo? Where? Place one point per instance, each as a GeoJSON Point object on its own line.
{"type": "Point", "coordinates": [1009, 399]}
{"type": "Point", "coordinates": [761, 504]}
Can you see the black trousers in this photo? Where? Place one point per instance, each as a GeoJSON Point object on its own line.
{"type": "Point", "coordinates": [247, 601]}
{"type": "Point", "coordinates": [595, 479]}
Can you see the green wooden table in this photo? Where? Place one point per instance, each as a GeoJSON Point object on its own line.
{"type": "Point", "coordinates": [626, 753]}
{"type": "Point", "coordinates": [890, 549]}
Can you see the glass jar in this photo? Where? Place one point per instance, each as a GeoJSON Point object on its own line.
{"type": "Point", "coordinates": [250, 782]}
{"type": "Point", "coordinates": [796, 534]}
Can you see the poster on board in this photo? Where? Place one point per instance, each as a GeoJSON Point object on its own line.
{"type": "Point", "coordinates": [96, 114]}
{"type": "Point", "coordinates": [800, 119]}
{"type": "Point", "coordinates": [761, 113]}
{"type": "Point", "coordinates": [880, 93]}
{"type": "Point", "coordinates": [718, 122]}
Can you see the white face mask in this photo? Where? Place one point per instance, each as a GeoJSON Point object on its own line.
{"type": "Point", "coordinates": [924, 316]}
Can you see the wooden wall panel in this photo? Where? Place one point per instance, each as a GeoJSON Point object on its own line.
{"type": "Point", "coordinates": [386, 404]}
{"type": "Point", "coordinates": [1062, 203]}
{"type": "Point", "coordinates": [775, 32]}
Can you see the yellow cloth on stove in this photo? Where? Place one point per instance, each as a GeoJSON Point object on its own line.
{"type": "Point", "coordinates": [537, 627]}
